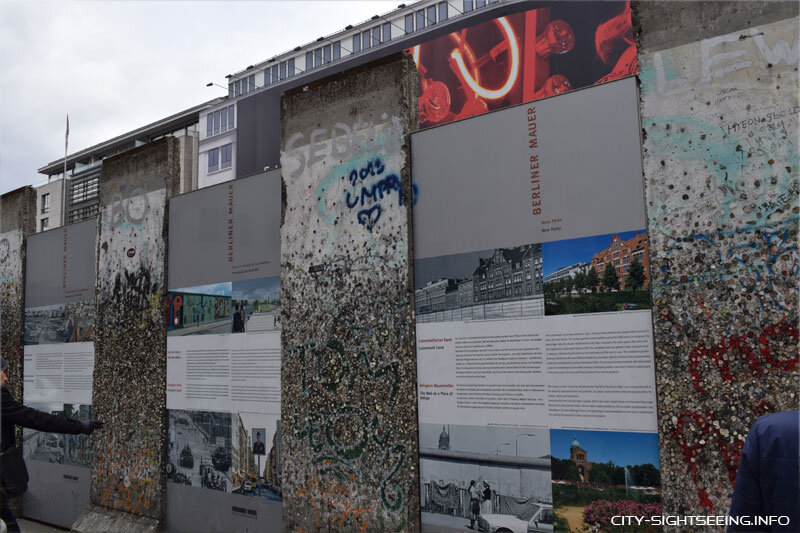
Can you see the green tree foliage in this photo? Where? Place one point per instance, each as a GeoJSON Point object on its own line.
{"type": "Point", "coordinates": [646, 475]}
{"type": "Point", "coordinates": [564, 469]}
{"type": "Point", "coordinates": [580, 281]}
{"type": "Point", "coordinates": [610, 278]}
{"type": "Point", "coordinates": [592, 279]}
{"type": "Point", "coordinates": [635, 276]}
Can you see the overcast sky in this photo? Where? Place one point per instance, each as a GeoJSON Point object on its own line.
{"type": "Point", "coordinates": [116, 66]}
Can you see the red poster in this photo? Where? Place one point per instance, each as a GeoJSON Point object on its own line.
{"type": "Point", "coordinates": [523, 57]}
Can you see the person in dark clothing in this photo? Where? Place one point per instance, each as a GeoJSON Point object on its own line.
{"type": "Point", "coordinates": [768, 478]}
{"type": "Point", "coordinates": [15, 414]}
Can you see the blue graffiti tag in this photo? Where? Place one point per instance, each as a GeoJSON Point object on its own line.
{"type": "Point", "coordinates": [369, 197]}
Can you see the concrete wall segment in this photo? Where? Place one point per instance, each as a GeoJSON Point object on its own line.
{"type": "Point", "coordinates": [660, 25]}
{"type": "Point", "coordinates": [720, 151]}
{"type": "Point", "coordinates": [129, 389]}
{"type": "Point", "coordinates": [349, 413]}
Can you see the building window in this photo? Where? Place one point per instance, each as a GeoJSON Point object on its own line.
{"type": "Point", "coordinates": [467, 5]}
{"type": "Point", "coordinates": [356, 43]}
{"type": "Point", "coordinates": [84, 190]}
{"type": "Point", "coordinates": [442, 11]}
{"type": "Point", "coordinates": [230, 117]}
{"type": "Point", "coordinates": [432, 15]}
{"type": "Point", "coordinates": [409, 23]}
{"type": "Point", "coordinates": [366, 39]}
{"type": "Point", "coordinates": [237, 88]}
{"type": "Point", "coordinates": [326, 53]}
{"type": "Point", "coordinates": [223, 119]}
{"type": "Point", "coordinates": [230, 90]}
{"type": "Point", "coordinates": [387, 32]}
{"type": "Point", "coordinates": [337, 50]}
{"type": "Point", "coordinates": [213, 159]}
{"type": "Point", "coordinates": [251, 81]}
{"type": "Point", "coordinates": [45, 203]}
{"type": "Point", "coordinates": [420, 20]}
{"type": "Point", "coordinates": [283, 69]}
{"type": "Point", "coordinates": [479, 3]}
{"type": "Point", "coordinates": [267, 79]}
{"type": "Point", "coordinates": [376, 36]}
{"type": "Point", "coordinates": [309, 60]}
{"type": "Point", "coordinates": [225, 156]}
{"type": "Point", "coordinates": [216, 122]}
{"type": "Point", "coordinates": [275, 73]}
{"type": "Point", "coordinates": [317, 57]}
{"type": "Point", "coordinates": [45, 223]}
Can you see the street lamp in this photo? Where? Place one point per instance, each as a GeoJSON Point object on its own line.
{"type": "Point", "coordinates": [209, 84]}
{"type": "Point", "coordinates": [516, 441]}
{"type": "Point", "coordinates": [497, 448]}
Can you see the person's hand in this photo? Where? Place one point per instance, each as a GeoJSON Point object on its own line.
{"type": "Point", "coordinates": [90, 425]}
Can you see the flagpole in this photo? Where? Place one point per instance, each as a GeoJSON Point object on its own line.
{"type": "Point", "coordinates": [64, 178]}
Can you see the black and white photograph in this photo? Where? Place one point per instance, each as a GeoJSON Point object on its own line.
{"type": "Point", "coordinates": [483, 285]}
{"type": "Point", "coordinates": [256, 305]}
{"type": "Point", "coordinates": [485, 478]}
{"type": "Point", "coordinates": [200, 449]}
{"type": "Point", "coordinates": [75, 450]}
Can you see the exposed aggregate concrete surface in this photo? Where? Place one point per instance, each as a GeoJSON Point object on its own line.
{"type": "Point", "coordinates": [720, 144]}
{"type": "Point", "coordinates": [349, 402]}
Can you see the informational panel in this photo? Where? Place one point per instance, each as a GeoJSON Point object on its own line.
{"type": "Point", "coordinates": [534, 337]}
{"type": "Point", "coordinates": [223, 358]}
{"type": "Point", "coordinates": [523, 57]}
{"type": "Point", "coordinates": [59, 361]}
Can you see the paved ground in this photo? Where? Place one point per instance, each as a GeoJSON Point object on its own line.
{"type": "Point", "coordinates": [31, 526]}
{"type": "Point", "coordinates": [263, 321]}
{"type": "Point", "coordinates": [211, 328]}
{"type": "Point", "coordinates": [439, 523]}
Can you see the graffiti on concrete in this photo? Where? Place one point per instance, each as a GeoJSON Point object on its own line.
{"type": "Point", "coordinates": [348, 371]}
{"type": "Point", "coordinates": [130, 342]}
{"type": "Point", "coordinates": [720, 122]}
{"type": "Point", "coordinates": [126, 477]}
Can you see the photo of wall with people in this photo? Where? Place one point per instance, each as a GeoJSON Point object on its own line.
{"type": "Point", "coordinates": [256, 305]}
{"type": "Point", "coordinates": [597, 274]}
{"type": "Point", "coordinates": [73, 450]}
{"type": "Point", "coordinates": [483, 285]}
{"type": "Point", "coordinates": [599, 474]}
{"type": "Point", "coordinates": [215, 451]}
{"type": "Point", "coordinates": [52, 324]}
{"type": "Point", "coordinates": [482, 478]}
{"type": "Point", "coordinates": [200, 310]}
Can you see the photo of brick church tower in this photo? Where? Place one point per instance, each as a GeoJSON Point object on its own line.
{"type": "Point", "coordinates": [578, 456]}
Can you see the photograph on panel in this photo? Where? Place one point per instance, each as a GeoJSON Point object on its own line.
{"type": "Point", "coordinates": [215, 451]}
{"type": "Point", "coordinates": [599, 474]}
{"type": "Point", "coordinates": [256, 305]}
{"type": "Point", "coordinates": [597, 274]}
{"type": "Point", "coordinates": [485, 478]}
{"type": "Point", "coordinates": [200, 310]}
{"type": "Point", "coordinates": [523, 57]}
{"type": "Point", "coordinates": [74, 450]}
{"type": "Point", "coordinates": [51, 324]}
{"type": "Point", "coordinates": [257, 456]}
{"type": "Point", "coordinates": [484, 285]}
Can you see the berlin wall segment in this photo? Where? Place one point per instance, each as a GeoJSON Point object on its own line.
{"type": "Point", "coordinates": [17, 221]}
{"type": "Point", "coordinates": [129, 389]}
{"type": "Point", "coordinates": [349, 409]}
{"type": "Point", "coordinates": [720, 123]}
